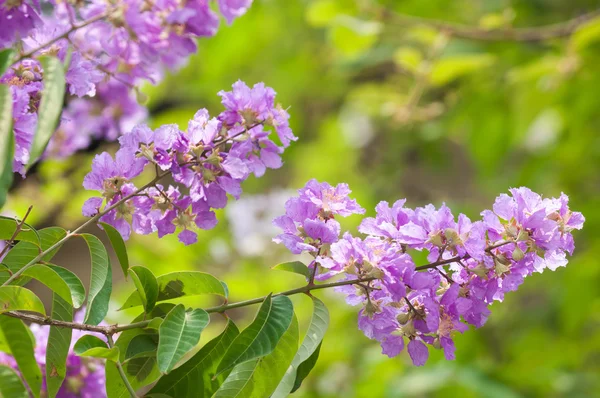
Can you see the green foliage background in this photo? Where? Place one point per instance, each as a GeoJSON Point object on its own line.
{"type": "Point", "coordinates": [492, 115]}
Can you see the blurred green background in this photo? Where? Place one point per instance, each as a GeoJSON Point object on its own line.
{"type": "Point", "coordinates": [396, 110]}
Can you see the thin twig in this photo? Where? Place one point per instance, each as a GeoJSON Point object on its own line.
{"type": "Point", "coordinates": [459, 258]}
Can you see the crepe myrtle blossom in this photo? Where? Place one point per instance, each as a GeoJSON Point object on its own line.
{"type": "Point", "coordinates": [109, 48]}
{"type": "Point", "coordinates": [85, 376]}
{"type": "Point", "coordinates": [206, 162]}
{"type": "Point", "coordinates": [472, 263]}
{"type": "Point", "coordinates": [309, 222]}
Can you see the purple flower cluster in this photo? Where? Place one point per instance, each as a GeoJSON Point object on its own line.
{"type": "Point", "coordinates": [110, 48]}
{"type": "Point", "coordinates": [206, 162]}
{"type": "Point", "coordinates": [85, 376]}
{"type": "Point", "coordinates": [472, 264]}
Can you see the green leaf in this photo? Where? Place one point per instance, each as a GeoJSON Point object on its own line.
{"type": "Point", "coordinates": [21, 348]}
{"type": "Point", "coordinates": [311, 343]}
{"type": "Point", "coordinates": [296, 267]}
{"type": "Point", "coordinates": [100, 281]}
{"type": "Point", "coordinates": [50, 107]}
{"type": "Point", "coordinates": [11, 385]}
{"type": "Point", "coordinates": [586, 34]}
{"type": "Point", "coordinates": [8, 226]}
{"type": "Point", "coordinates": [74, 283]}
{"type": "Point", "coordinates": [50, 278]}
{"type": "Point", "coordinates": [92, 346]}
{"type": "Point", "coordinates": [181, 284]}
{"type": "Point", "coordinates": [118, 245]}
{"type": "Point", "coordinates": [142, 345]}
{"type": "Point", "coordinates": [7, 140]}
{"type": "Point", "coordinates": [6, 57]}
{"type": "Point", "coordinates": [178, 334]}
{"type": "Point", "coordinates": [305, 368]}
{"type": "Point", "coordinates": [195, 377]}
{"type": "Point", "coordinates": [16, 298]}
{"type": "Point", "coordinates": [59, 342]}
{"type": "Point", "coordinates": [146, 285]}
{"type": "Point", "coordinates": [453, 67]}
{"type": "Point", "coordinates": [261, 337]}
{"type": "Point", "coordinates": [260, 377]}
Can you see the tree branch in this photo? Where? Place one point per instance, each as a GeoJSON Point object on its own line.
{"type": "Point", "coordinates": [526, 34]}
{"type": "Point", "coordinates": [112, 329]}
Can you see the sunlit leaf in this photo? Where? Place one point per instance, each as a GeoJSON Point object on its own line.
{"type": "Point", "coordinates": [181, 284]}
{"type": "Point", "coordinates": [92, 346]}
{"type": "Point", "coordinates": [11, 385]}
{"type": "Point", "coordinates": [296, 267]}
{"type": "Point", "coordinates": [195, 377]}
{"type": "Point", "coordinates": [147, 286]}
{"type": "Point", "coordinates": [7, 141]}
{"type": "Point", "coordinates": [178, 334]}
{"type": "Point", "coordinates": [59, 342]}
{"type": "Point", "coordinates": [261, 336]}
{"type": "Point", "coordinates": [50, 107]}
{"type": "Point", "coordinates": [21, 348]}
{"type": "Point", "coordinates": [116, 240]}
{"type": "Point", "coordinates": [100, 281]}
{"type": "Point", "coordinates": [16, 298]}
{"type": "Point", "coordinates": [312, 342]}
{"type": "Point", "coordinates": [260, 377]}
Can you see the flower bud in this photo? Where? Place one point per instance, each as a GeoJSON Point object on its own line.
{"type": "Point", "coordinates": [141, 97]}
{"type": "Point", "coordinates": [403, 318]}
{"type": "Point", "coordinates": [208, 175]}
{"type": "Point", "coordinates": [512, 230]}
{"type": "Point", "coordinates": [372, 308]}
{"type": "Point", "coordinates": [350, 269]}
{"type": "Point", "coordinates": [500, 268]}
{"type": "Point", "coordinates": [480, 270]}
{"type": "Point", "coordinates": [28, 76]}
{"type": "Point", "coordinates": [436, 343]}
{"type": "Point", "coordinates": [452, 237]}
{"type": "Point", "coordinates": [409, 329]}
{"type": "Point", "coordinates": [366, 266]}
{"type": "Point", "coordinates": [436, 239]}
{"type": "Point", "coordinates": [518, 254]}
{"type": "Point", "coordinates": [375, 272]}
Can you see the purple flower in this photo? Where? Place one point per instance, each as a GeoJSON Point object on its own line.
{"type": "Point", "coordinates": [232, 9]}
{"type": "Point", "coordinates": [418, 352]}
